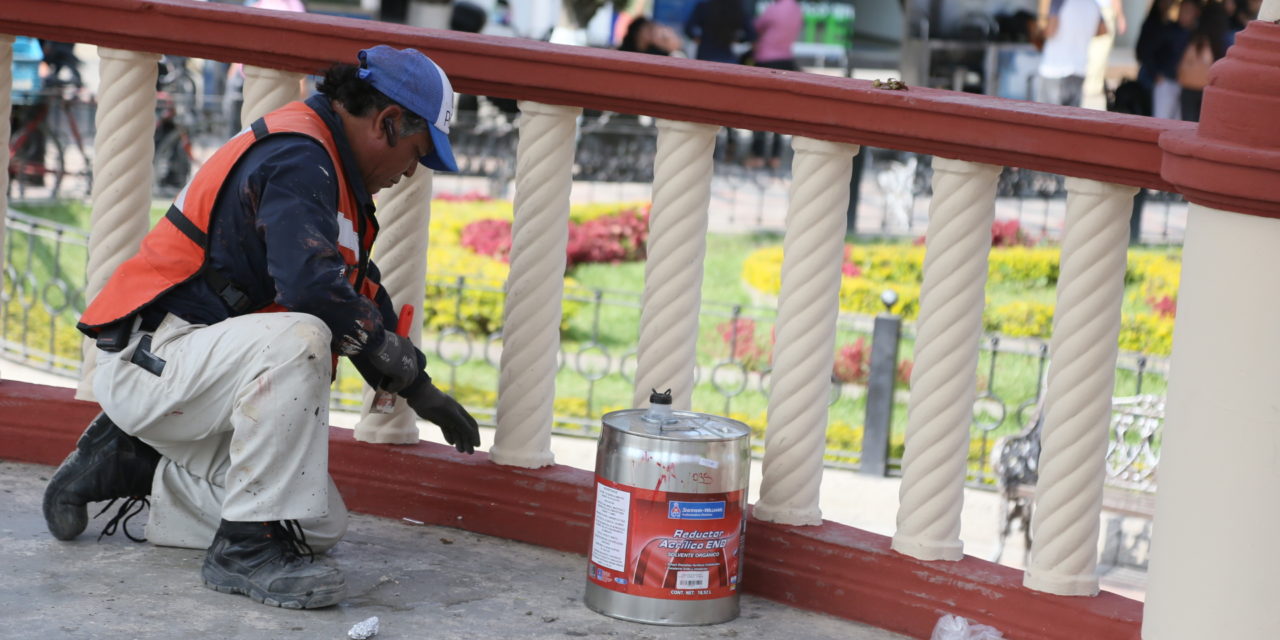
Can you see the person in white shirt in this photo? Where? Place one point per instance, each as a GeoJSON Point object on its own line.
{"type": "Point", "coordinates": [1065, 59]}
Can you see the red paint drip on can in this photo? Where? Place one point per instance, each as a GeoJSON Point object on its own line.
{"type": "Point", "coordinates": [671, 497]}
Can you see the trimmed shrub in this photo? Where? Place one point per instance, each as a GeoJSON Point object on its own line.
{"type": "Point", "coordinates": [1026, 266]}
{"type": "Point", "coordinates": [1020, 319]}
{"type": "Point", "coordinates": [66, 340]}
{"type": "Point", "coordinates": [1146, 333]}
{"type": "Point", "coordinates": [861, 296]}
{"type": "Point", "coordinates": [888, 263]}
{"type": "Point", "coordinates": [584, 213]}
{"type": "Point", "coordinates": [1160, 277]}
{"type": "Point", "coordinates": [870, 270]}
{"type": "Point", "coordinates": [617, 237]}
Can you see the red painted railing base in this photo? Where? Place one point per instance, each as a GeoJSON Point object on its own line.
{"type": "Point", "coordinates": [832, 568]}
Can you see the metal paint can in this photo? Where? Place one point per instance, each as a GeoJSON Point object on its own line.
{"type": "Point", "coordinates": [670, 516]}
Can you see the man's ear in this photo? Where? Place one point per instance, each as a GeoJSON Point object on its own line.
{"type": "Point", "coordinates": [386, 123]}
{"type": "Point", "coordinates": [390, 131]}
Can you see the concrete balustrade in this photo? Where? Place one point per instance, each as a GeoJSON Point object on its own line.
{"type": "Point", "coordinates": [1086, 326]}
{"type": "Point", "coordinates": [122, 169]}
{"type": "Point", "coordinates": [667, 351]}
{"type": "Point", "coordinates": [266, 90]}
{"type": "Point", "coordinates": [1212, 574]}
{"type": "Point", "coordinates": [404, 215]}
{"type": "Point", "coordinates": [804, 351]}
{"type": "Point", "coordinates": [944, 379]}
{"type": "Point", "coordinates": [535, 288]}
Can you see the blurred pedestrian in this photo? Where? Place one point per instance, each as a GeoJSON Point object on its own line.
{"type": "Point", "coordinates": [716, 26]}
{"type": "Point", "coordinates": [1240, 14]}
{"type": "Point", "coordinates": [777, 30]}
{"type": "Point", "coordinates": [1064, 62]}
{"type": "Point", "coordinates": [233, 100]}
{"type": "Point", "coordinates": [59, 56]}
{"type": "Point", "coordinates": [1207, 45]}
{"type": "Point", "coordinates": [1160, 46]}
{"type": "Point", "coordinates": [647, 36]}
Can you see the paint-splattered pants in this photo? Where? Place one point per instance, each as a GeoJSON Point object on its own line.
{"type": "Point", "coordinates": [240, 415]}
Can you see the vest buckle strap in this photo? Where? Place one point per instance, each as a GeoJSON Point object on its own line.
{"type": "Point", "coordinates": [115, 336]}
{"type": "Point", "coordinates": [143, 357]}
{"type": "Point", "coordinates": [234, 298]}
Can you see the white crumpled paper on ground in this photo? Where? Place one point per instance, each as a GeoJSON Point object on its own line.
{"type": "Point", "coordinates": [951, 627]}
{"type": "Point", "coordinates": [364, 629]}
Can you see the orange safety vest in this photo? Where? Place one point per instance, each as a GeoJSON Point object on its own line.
{"type": "Point", "coordinates": [177, 249]}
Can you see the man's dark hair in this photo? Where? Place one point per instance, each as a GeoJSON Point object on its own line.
{"type": "Point", "coordinates": [343, 83]}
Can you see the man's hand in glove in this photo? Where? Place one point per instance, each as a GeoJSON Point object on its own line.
{"type": "Point", "coordinates": [430, 403]}
{"type": "Point", "coordinates": [396, 359]}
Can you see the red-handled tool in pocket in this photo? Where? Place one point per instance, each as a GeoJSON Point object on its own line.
{"type": "Point", "coordinates": [385, 401]}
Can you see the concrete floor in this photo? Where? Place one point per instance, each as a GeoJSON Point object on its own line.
{"type": "Point", "coordinates": [421, 582]}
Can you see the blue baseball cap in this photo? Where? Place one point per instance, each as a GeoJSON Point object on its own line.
{"type": "Point", "coordinates": [416, 82]}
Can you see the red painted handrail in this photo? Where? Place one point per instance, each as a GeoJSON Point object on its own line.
{"type": "Point", "coordinates": [1090, 144]}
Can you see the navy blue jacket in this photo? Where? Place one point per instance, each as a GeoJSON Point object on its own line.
{"type": "Point", "coordinates": [701, 22]}
{"type": "Point", "coordinates": [274, 234]}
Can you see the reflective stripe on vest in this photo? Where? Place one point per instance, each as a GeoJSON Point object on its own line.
{"type": "Point", "coordinates": [176, 250]}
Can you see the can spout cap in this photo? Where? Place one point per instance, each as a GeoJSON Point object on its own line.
{"type": "Point", "coordinates": [660, 410]}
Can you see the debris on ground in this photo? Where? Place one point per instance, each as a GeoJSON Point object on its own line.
{"type": "Point", "coordinates": [364, 629]}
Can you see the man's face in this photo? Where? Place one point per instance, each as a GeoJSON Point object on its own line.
{"type": "Point", "coordinates": [393, 157]}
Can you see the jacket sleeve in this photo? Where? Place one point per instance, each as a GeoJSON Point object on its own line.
{"type": "Point", "coordinates": [298, 222]}
{"type": "Point", "coordinates": [390, 316]}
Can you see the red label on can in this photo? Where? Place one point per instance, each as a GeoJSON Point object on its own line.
{"type": "Point", "coordinates": [666, 544]}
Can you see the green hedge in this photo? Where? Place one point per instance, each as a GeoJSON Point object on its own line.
{"type": "Point", "coordinates": [901, 268]}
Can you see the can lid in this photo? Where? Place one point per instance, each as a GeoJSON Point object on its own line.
{"type": "Point", "coordinates": [676, 425]}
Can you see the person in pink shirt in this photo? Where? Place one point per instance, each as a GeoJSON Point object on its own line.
{"type": "Point", "coordinates": [777, 29]}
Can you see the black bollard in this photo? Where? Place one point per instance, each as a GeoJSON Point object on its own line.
{"type": "Point", "coordinates": [881, 380]}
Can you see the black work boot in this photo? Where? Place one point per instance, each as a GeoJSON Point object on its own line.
{"type": "Point", "coordinates": [265, 561]}
{"type": "Point", "coordinates": [107, 464]}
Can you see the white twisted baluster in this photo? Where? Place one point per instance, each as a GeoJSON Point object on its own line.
{"type": "Point", "coordinates": [666, 355]}
{"type": "Point", "coordinates": [266, 90]}
{"type": "Point", "coordinates": [535, 287]}
{"type": "Point", "coordinates": [404, 212]}
{"type": "Point", "coordinates": [1086, 325]}
{"type": "Point", "coordinates": [944, 380]}
{"type": "Point", "coordinates": [804, 351]}
{"type": "Point", "coordinates": [122, 173]}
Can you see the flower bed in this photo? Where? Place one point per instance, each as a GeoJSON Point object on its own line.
{"type": "Point", "coordinates": [470, 244]}
{"type": "Point", "coordinates": [1151, 277]}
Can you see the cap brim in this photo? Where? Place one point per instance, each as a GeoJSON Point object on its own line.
{"type": "Point", "coordinates": [441, 156]}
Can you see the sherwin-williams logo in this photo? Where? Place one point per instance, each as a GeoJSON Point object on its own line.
{"type": "Point", "coordinates": [677, 510]}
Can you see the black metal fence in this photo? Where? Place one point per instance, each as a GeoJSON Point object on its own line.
{"type": "Point", "coordinates": [42, 294]}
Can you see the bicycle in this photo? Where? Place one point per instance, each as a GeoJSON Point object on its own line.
{"type": "Point", "coordinates": [174, 159]}
{"type": "Point", "coordinates": [38, 130]}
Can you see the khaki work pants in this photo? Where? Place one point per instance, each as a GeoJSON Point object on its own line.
{"type": "Point", "coordinates": [240, 415]}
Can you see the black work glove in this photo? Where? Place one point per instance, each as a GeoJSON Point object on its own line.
{"type": "Point", "coordinates": [396, 360]}
{"type": "Point", "coordinates": [430, 403]}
